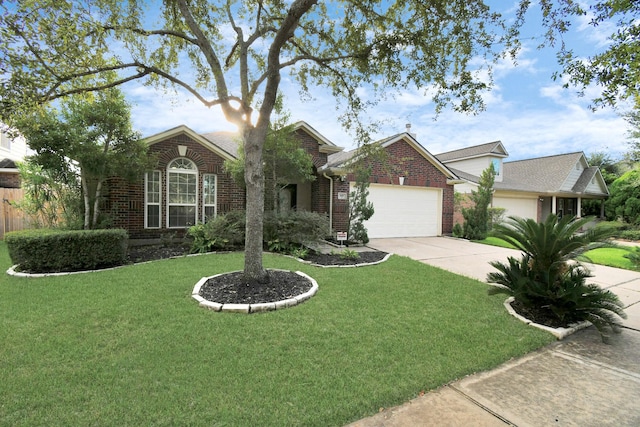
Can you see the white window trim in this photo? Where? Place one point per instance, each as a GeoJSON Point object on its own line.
{"type": "Point", "coordinates": [146, 200]}
{"type": "Point", "coordinates": [215, 189]}
{"type": "Point", "coordinates": [185, 171]}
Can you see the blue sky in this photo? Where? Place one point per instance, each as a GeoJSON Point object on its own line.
{"type": "Point", "coordinates": [529, 112]}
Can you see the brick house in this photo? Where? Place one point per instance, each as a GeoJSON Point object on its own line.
{"type": "Point", "coordinates": [411, 190]}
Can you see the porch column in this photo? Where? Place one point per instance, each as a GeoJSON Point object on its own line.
{"type": "Point", "coordinates": [579, 208]}
{"type": "Point", "coordinates": [553, 204]}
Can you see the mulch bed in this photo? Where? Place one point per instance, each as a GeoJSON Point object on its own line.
{"type": "Point", "coordinates": [234, 288]}
{"type": "Point", "coordinates": [333, 259]}
{"type": "Point", "coordinates": [538, 315]}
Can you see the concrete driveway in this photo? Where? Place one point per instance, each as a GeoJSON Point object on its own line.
{"type": "Point", "coordinates": [472, 260]}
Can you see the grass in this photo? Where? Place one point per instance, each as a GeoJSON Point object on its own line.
{"type": "Point", "coordinates": [131, 347]}
{"type": "Point", "coordinates": [612, 257]}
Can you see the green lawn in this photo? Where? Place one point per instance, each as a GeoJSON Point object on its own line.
{"type": "Point", "coordinates": [130, 346]}
{"type": "Point", "coordinates": [612, 257]}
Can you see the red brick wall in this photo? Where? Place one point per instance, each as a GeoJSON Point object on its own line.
{"type": "Point", "coordinates": [126, 200]}
{"type": "Point", "coordinates": [403, 160]}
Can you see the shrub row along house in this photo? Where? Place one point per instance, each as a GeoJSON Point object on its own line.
{"type": "Point", "coordinates": [411, 189]}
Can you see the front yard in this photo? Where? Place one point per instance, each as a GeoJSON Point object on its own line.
{"type": "Point", "coordinates": [131, 347]}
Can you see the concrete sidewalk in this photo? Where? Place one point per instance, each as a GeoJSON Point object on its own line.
{"type": "Point", "coordinates": [579, 381]}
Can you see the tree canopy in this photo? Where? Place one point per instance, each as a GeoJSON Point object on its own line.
{"type": "Point", "coordinates": [232, 55]}
{"type": "Point", "coordinates": [89, 138]}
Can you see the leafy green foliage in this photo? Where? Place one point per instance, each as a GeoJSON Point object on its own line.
{"type": "Point", "coordinates": [552, 243]}
{"type": "Point", "coordinates": [624, 201]}
{"type": "Point", "coordinates": [293, 229]}
{"type": "Point", "coordinates": [476, 218]}
{"type": "Point", "coordinates": [284, 232]}
{"type": "Point", "coordinates": [360, 209]}
{"type": "Point", "coordinates": [49, 251]}
{"type": "Point", "coordinates": [50, 200]}
{"type": "Point", "coordinates": [89, 140]}
{"type": "Point", "coordinates": [543, 278]}
{"type": "Point", "coordinates": [223, 232]}
{"type": "Point", "coordinates": [349, 254]}
{"type": "Point", "coordinates": [634, 257]}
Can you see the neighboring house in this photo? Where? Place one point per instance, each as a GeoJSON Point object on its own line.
{"type": "Point", "coordinates": [412, 191]}
{"type": "Point", "coordinates": [11, 151]}
{"type": "Point", "coordinates": [531, 188]}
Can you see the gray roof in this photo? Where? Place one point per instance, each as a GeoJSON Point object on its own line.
{"type": "Point", "coordinates": [7, 164]}
{"type": "Point", "coordinates": [545, 174]}
{"type": "Point", "coordinates": [542, 174]}
{"type": "Point", "coordinates": [227, 141]}
{"type": "Point", "coordinates": [495, 148]}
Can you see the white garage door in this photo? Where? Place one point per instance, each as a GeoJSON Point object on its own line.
{"type": "Point", "coordinates": [524, 208]}
{"type": "Point", "coordinates": [402, 211]}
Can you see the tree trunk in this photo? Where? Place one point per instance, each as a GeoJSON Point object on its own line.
{"type": "Point", "coordinates": [87, 202]}
{"type": "Point", "coordinates": [96, 204]}
{"type": "Point", "coordinates": [254, 180]}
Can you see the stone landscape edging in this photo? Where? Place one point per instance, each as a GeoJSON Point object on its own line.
{"type": "Point", "coordinates": [559, 333]}
{"type": "Point", "coordinates": [364, 264]}
{"type": "Point", "coordinates": [253, 308]}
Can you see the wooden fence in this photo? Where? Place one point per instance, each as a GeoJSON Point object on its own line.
{"type": "Point", "coordinates": [11, 218]}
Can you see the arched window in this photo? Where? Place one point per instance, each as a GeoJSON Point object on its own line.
{"type": "Point", "coordinates": [182, 193]}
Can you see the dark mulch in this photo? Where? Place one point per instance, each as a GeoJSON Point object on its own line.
{"type": "Point", "coordinates": [234, 288]}
{"type": "Point", "coordinates": [143, 253]}
{"type": "Point", "coordinates": [538, 315]}
{"type": "Point", "coordinates": [334, 259]}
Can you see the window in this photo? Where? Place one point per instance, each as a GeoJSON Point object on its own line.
{"type": "Point", "coordinates": [5, 141]}
{"type": "Point", "coordinates": [152, 199]}
{"type": "Point", "coordinates": [182, 193]}
{"type": "Point", "coordinates": [496, 166]}
{"type": "Point", "coordinates": [208, 197]}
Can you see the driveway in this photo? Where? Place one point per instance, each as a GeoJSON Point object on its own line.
{"type": "Point", "coordinates": [472, 260]}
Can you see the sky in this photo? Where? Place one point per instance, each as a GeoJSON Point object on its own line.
{"type": "Point", "coordinates": [529, 112]}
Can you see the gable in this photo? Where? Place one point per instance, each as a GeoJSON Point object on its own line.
{"type": "Point", "coordinates": [184, 133]}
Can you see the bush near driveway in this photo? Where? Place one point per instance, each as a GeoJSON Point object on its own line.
{"type": "Point", "coordinates": [545, 280]}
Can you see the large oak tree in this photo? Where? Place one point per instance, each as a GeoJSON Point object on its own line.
{"type": "Point", "coordinates": [231, 54]}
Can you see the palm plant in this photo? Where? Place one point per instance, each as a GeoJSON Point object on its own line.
{"type": "Point", "coordinates": [548, 278]}
{"type": "Point", "coordinates": [554, 242]}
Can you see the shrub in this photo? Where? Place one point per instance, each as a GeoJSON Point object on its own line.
{"type": "Point", "coordinates": [223, 232]}
{"type": "Point", "coordinates": [544, 279]}
{"type": "Point", "coordinates": [48, 251]}
{"type": "Point", "coordinates": [283, 232]}
{"type": "Point", "coordinates": [286, 231]}
{"type": "Point", "coordinates": [565, 295]}
{"type": "Point", "coordinates": [457, 230]}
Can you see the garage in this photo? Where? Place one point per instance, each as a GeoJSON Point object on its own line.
{"type": "Point", "coordinates": [404, 211]}
{"type": "Point", "coordinates": [524, 208]}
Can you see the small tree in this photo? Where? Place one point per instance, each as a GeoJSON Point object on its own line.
{"type": "Point", "coordinates": [624, 201]}
{"type": "Point", "coordinates": [51, 197]}
{"type": "Point", "coordinates": [360, 210]}
{"type": "Point", "coordinates": [476, 218]}
{"type": "Point", "coordinates": [90, 137]}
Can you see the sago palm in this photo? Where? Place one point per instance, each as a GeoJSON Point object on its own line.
{"type": "Point", "coordinates": [552, 243]}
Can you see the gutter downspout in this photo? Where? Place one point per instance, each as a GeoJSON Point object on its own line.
{"type": "Point", "coordinates": [330, 200]}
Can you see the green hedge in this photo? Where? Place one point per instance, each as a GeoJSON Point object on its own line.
{"type": "Point", "coordinates": [50, 251]}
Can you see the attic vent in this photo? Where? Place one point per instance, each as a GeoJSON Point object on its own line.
{"type": "Point", "coordinates": [578, 166]}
